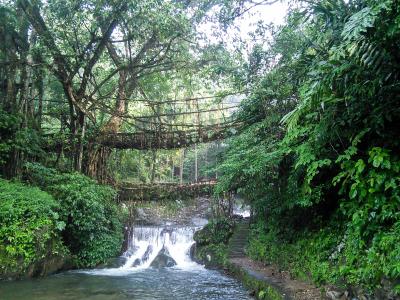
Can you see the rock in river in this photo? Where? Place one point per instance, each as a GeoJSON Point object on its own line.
{"type": "Point", "coordinates": [163, 259]}
{"type": "Point", "coordinates": [146, 255]}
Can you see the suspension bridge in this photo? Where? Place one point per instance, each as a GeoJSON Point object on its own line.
{"type": "Point", "coordinates": [146, 140]}
{"type": "Point", "coordinates": [159, 130]}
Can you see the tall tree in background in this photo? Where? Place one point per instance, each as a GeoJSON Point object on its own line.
{"type": "Point", "coordinates": [98, 53]}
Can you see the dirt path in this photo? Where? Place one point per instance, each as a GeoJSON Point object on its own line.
{"type": "Point", "coordinates": [288, 288]}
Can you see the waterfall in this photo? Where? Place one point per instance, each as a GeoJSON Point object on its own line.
{"type": "Point", "coordinates": [145, 243]}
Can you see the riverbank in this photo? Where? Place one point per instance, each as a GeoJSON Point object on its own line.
{"type": "Point", "coordinates": [278, 284]}
{"type": "Point", "coordinates": [135, 276]}
{"type": "Point", "coordinates": [54, 221]}
{"type": "Point", "coordinates": [221, 244]}
{"type": "Point", "coordinates": [268, 282]}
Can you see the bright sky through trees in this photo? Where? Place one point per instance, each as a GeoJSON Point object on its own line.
{"type": "Point", "coordinates": [239, 32]}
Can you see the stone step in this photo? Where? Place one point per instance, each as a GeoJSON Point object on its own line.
{"type": "Point", "coordinates": [238, 241]}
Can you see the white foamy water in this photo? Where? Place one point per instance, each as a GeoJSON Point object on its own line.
{"type": "Point", "coordinates": [146, 242]}
{"type": "Point", "coordinates": [136, 279]}
{"type": "Point", "coordinates": [242, 210]}
{"type": "Point", "coordinates": [152, 239]}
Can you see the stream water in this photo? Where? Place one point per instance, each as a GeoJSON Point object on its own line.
{"type": "Point", "coordinates": [135, 278]}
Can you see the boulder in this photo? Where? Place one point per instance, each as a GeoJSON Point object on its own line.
{"type": "Point", "coordinates": [47, 266]}
{"type": "Point", "coordinates": [192, 251]}
{"type": "Point", "coordinates": [137, 262]}
{"type": "Point", "coordinates": [143, 218]}
{"type": "Point", "coordinates": [130, 251]}
{"type": "Point", "coordinates": [114, 262]}
{"type": "Point", "coordinates": [145, 257]}
{"type": "Point", "coordinates": [334, 295]}
{"type": "Point", "coordinates": [140, 214]}
{"type": "Point", "coordinates": [163, 260]}
{"type": "Point", "coordinates": [147, 253]}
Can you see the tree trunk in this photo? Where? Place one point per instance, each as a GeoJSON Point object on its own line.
{"type": "Point", "coordinates": [172, 169]}
{"type": "Point", "coordinates": [12, 166]}
{"type": "Point", "coordinates": [25, 76]}
{"type": "Point", "coordinates": [11, 93]}
{"type": "Point", "coordinates": [216, 161]}
{"type": "Point", "coordinates": [181, 165]}
{"type": "Point", "coordinates": [79, 152]}
{"type": "Point", "coordinates": [195, 164]}
{"type": "Point", "coordinates": [98, 154]}
{"type": "Point", "coordinates": [40, 87]}
{"type": "Point", "coordinates": [153, 165]}
{"type": "Point", "coordinates": [206, 162]}
{"type": "Point", "coordinates": [39, 84]}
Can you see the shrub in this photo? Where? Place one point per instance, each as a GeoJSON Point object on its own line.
{"type": "Point", "coordinates": [93, 229]}
{"type": "Point", "coordinates": [212, 241]}
{"type": "Point", "coordinates": [215, 232]}
{"type": "Point", "coordinates": [30, 227]}
{"type": "Point", "coordinates": [372, 189]}
{"type": "Point", "coordinates": [358, 248]}
{"type": "Point", "coordinates": [310, 256]}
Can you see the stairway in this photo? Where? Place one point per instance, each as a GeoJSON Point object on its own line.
{"type": "Point", "coordinates": [239, 239]}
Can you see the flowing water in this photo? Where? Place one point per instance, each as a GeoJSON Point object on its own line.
{"type": "Point", "coordinates": [135, 278]}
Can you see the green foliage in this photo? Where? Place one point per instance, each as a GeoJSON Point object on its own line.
{"type": "Point", "coordinates": [30, 227]}
{"type": "Point", "coordinates": [373, 234]}
{"type": "Point", "coordinates": [8, 125]}
{"type": "Point", "coordinates": [217, 231]}
{"type": "Point", "coordinates": [212, 241]}
{"type": "Point", "coordinates": [212, 255]}
{"type": "Point", "coordinates": [93, 230]}
{"type": "Point", "coordinates": [318, 154]}
{"type": "Point", "coordinates": [309, 255]}
{"type": "Point", "coordinates": [13, 137]}
{"type": "Point", "coordinates": [268, 293]}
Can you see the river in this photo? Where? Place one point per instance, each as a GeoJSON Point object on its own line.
{"type": "Point", "coordinates": [135, 278]}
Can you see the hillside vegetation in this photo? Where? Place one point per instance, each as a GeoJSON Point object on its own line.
{"type": "Point", "coordinates": [70, 221]}
{"type": "Point", "coordinates": [318, 155]}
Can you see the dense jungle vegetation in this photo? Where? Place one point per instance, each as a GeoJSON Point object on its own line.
{"type": "Point", "coordinates": [318, 156]}
{"type": "Point", "coordinates": [72, 75]}
{"type": "Point", "coordinates": [312, 108]}
{"type": "Point", "coordinates": [65, 216]}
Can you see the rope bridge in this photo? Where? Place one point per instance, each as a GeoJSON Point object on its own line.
{"type": "Point", "coordinates": [161, 130]}
{"type": "Point", "coordinates": [148, 140]}
{"type": "Point", "coordinates": [164, 191]}
{"type": "Point", "coordinates": [166, 139]}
